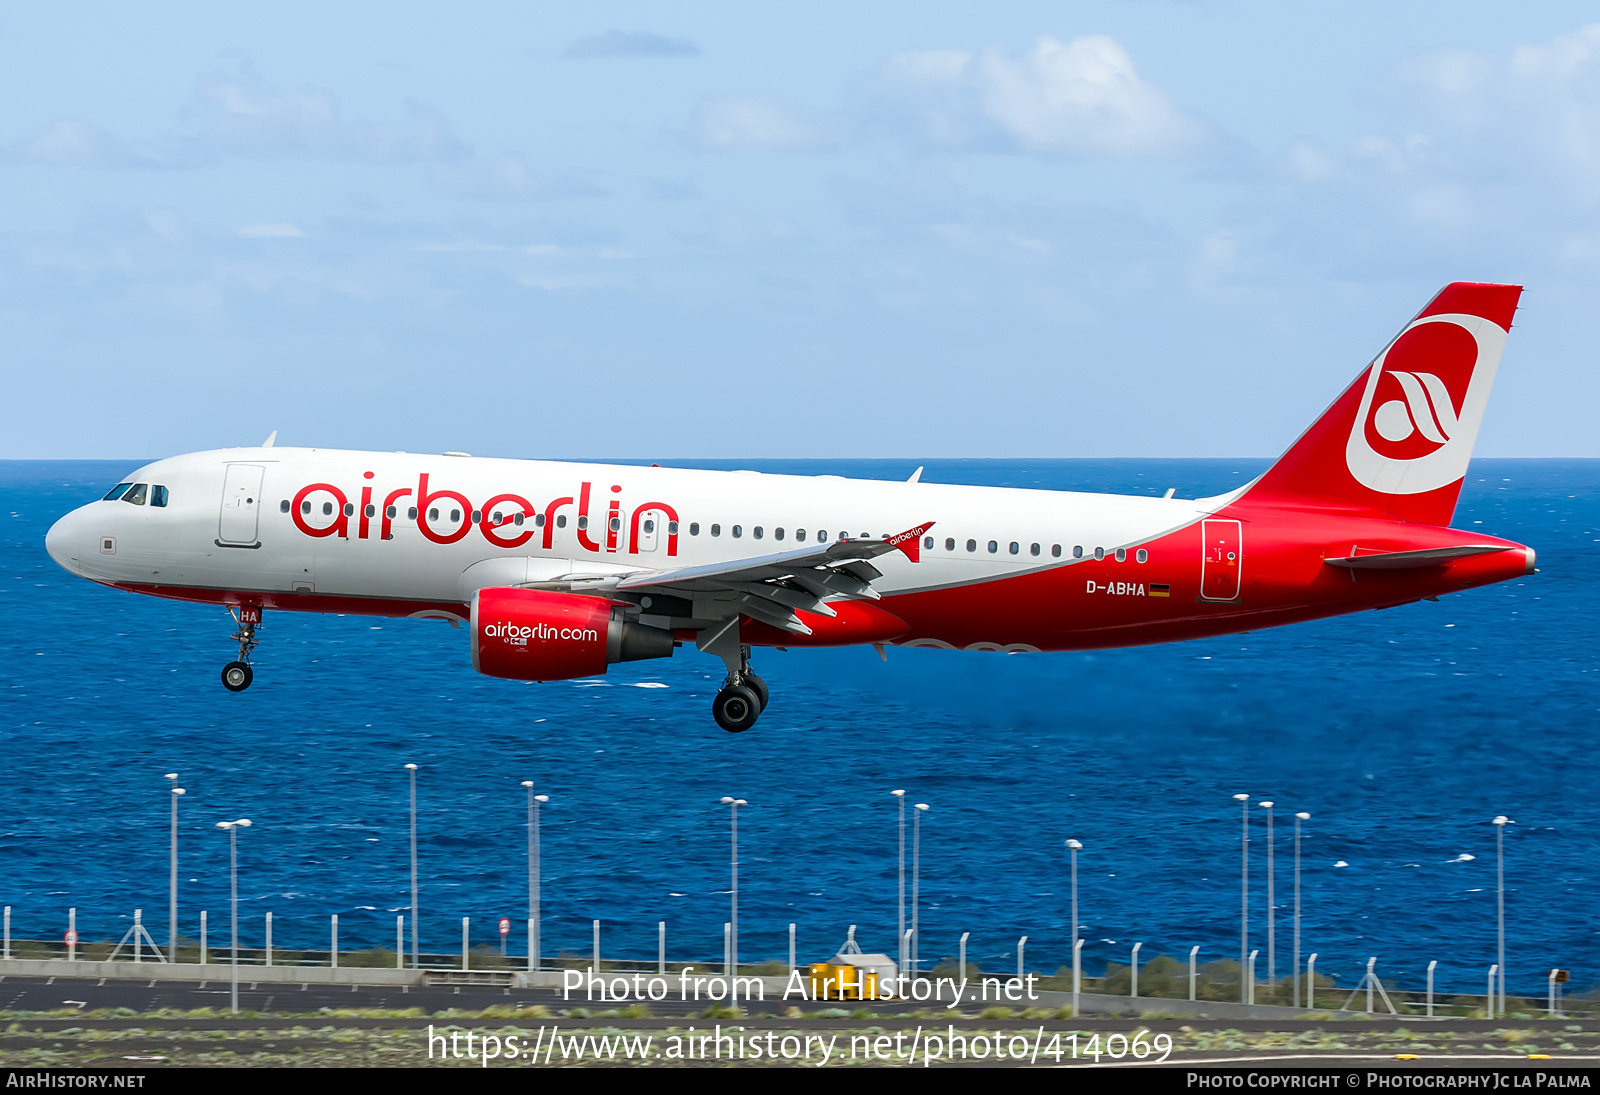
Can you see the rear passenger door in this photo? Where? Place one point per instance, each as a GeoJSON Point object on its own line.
{"type": "Point", "coordinates": [1221, 559]}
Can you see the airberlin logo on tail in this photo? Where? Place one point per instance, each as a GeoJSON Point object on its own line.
{"type": "Point", "coordinates": [1426, 410]}
{"type": "Point", "coordinates": [1423, 403]}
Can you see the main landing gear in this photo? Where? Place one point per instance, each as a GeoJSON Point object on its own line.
{"type": "Point", "coordinates": [742, 699]}
{"type": "Point", "coordinates": [237, 675]}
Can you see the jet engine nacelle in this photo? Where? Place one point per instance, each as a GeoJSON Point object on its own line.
{"type": "Point", "coordinates": [534, 635]}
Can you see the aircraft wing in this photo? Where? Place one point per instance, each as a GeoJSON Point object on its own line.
{"type": "Point", "coordinates": [770, 588]}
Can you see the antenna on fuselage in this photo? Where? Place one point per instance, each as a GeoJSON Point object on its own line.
{"type": "Point", "coordinates": [916, 476]}
{"type": "Point", "coordinates": [271, 437]}
{"type": "Point", "coordinates": [1170, 492]}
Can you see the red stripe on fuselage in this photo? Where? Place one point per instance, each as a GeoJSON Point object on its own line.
{"type": "Point", "coordinates": [1284, 577]}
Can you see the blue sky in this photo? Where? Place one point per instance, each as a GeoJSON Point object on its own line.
{"type": "Point", "coordinates": [1130, 229]}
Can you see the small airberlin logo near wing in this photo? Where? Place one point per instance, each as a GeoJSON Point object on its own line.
{"type": "Point", "coordinates": [519, 634]}
{"type": "Point", "coordinates": [1423, 403]}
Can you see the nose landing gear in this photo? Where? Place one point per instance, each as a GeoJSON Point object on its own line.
{"type": "Point", "coordinates": [742, 699]}
{"type": "Point", "coordinates": [237, 675]}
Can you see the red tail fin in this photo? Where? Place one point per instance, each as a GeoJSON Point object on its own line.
{"type": "Point", "coordinates": [1398, 440]}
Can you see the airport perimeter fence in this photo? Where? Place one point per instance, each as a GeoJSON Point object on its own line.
{"type": "Point", "coordinates": [1161, 977]}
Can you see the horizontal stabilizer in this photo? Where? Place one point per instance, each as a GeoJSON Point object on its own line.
{"type": "Point", "coordinates": [1401, 560]}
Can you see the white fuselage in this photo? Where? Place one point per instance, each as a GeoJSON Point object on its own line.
{"type": "Point", "coordinates": [215, 534]}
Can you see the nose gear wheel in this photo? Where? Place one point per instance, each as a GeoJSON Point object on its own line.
{"type": "Point", "coordinates": [237, 675]}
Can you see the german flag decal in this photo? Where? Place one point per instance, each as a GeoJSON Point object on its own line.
{"type": "Point", "coordinates": [1159, 590]}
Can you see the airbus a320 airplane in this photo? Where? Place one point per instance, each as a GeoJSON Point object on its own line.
{"type": "Point", "coordinates": [562, 569]}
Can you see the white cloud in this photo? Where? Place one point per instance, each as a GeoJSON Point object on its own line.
{"type": "Point", "coordinates": [242, 115]}
{"type": "Point", "coordinates": [270, 231]}
{"type": "Point", "coordinates": [1308, 161]}
{"type": "Point", "coordinates": [1080, 98]}
{"type": "Point", "coordinates": [731, 124]}
{"type": "Point", "coordinates": [69, 142]}
{"type": "Point", "coordinates": [508, 178]}
{"type": "Point", "coordinates": [1534, 106]}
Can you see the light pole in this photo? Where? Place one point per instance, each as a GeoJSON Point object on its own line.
{"type": "Point", "coordinates": [233, 828]}
{"type": "Point", "coordinates": [1272, 909]}
{"type": "Point", "coordinates": [1298, 818]}
{"type": "Point", "coordinates": [411, 769]}
{"type": "Point", "coordinates": [1244, 895]}
{"type": "Point", "coordinates": [1074, 846]}
{"type": "Point", "coordinates": [900, 926]}
{"type": "Point", "coordinates": [916, 878]}
{"type": "Point", "coordinates": [534, 802]}
{"type": "Point", "coordinates": [733, 805]}
{"type": "Point", "coordinates": [1500, 823]}
{"type": "Point", "coordinates": [172, 883]}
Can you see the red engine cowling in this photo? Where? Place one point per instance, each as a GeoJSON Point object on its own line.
{"type": "Point", "coordinates": [534, 635]}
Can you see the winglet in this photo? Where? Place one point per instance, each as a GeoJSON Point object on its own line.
{"type": "Point", "coordinates": [910, 541]}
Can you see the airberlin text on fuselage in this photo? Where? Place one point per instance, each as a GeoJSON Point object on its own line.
{"type": "Point", "coordinates": [497, 518]}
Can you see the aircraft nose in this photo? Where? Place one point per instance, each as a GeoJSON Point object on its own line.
{"type": "Point", "coordinates": [64, 541]}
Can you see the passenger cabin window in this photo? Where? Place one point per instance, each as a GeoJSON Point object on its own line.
{"type": "Point", "coordinates": [1015, 547]}
{"type": "Point", "coordinates": [1142, 555]}
{"type": "Point", "coordinates": [738, 531]}
{"type": "Point", "coordinates": [672, 528]}
{"type": "Point", "coordinates": [1077, 551]}
{"type": "Point", "coordinates": [391, 513]}
{"type": "Point", "coordinates": [822, 536]}
{"type": "Point", "coordinates": [950, 544]}
{"type": "Point", "coordinates": [993, 547]}
{"type": "Point", "coordinates": [517, 518]}
{"type": "Point", "coordinates": [561, 520]}
{"type": "Point", "coordinates": [538, 520]}
{"type": "Point", "coordinates": [136, 494]}
{"type": "Point", "coordinates": [972, 545]}
{"type": "Point", "coordinates": [694, 528]}
{"type": "Point", "coordinates": [1122, 555]}
{"type": "Point", "coordinates": [800, 535]}
{"type": "Point", "coordinates": [1055, 550]}
{"type": "Point", "coordinates": [927, 543]}
{"type": "Point", "coordinates": [716, 530]}
{"type": "Point", "coordinates": [433, 514]}
{"type": "Point", "coordinates": [1099, 553]}
{"type": "Point", "coordinates": [1033, 550]}
{"type": "Point", "coordinates": [616, 524]}
{"type": "Point", "coordinates": [649, 526]}
{"type": "Point", "coordinates": [583, 521]}
{"type": "Point", "coordinates": [371, 510]}
{"type": "Point", "coordinates": [758, 532]}
{"type": "Point", "coordinates": [116, 492]}
{"type": "Point", "coordinates": [411, 513]}
{"type": "Point", "coordinates": [158, 496]}
{"type": "Point", "coordinates": [777, 534]}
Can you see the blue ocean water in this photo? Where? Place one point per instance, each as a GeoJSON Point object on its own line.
{"type": "Point", "coordinates": [1402, 733]}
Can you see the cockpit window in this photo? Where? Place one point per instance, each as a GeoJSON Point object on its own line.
{"type": "Point", "coordinates": [116, 492]}
{"type": "Point", "coordinates": [158, 496]}
{"type": "Point", "coordinates": [136, 494]}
